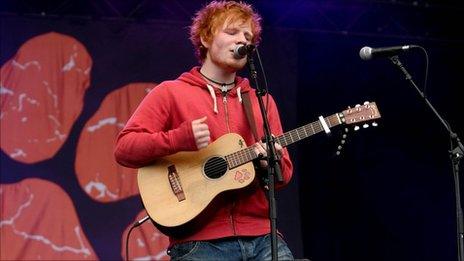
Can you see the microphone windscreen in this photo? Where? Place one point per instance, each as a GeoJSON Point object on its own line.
{"type": "Point", "coordinates": [365, 53]}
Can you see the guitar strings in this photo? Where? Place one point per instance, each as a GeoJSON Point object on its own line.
{"type": "Point", "coordinates": [237, 157]}
{"type": "Point", "coordinates": [240, 157]}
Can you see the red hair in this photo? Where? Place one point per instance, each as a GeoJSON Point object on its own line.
{"type": "Point", "coordinates": [210, 18]}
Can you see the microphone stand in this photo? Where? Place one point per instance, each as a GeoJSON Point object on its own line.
{"type": "Point", "coordinates": [455, 153]}
{"type": "Point", "coordinates": [273, 168]}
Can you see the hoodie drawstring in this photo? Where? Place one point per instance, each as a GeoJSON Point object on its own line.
{"type": "Point", "coordinates": [239, 94]}
{"type": "Point", "coordinates": [213, 95]}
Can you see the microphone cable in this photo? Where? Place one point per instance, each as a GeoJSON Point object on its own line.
{"type": "Point", "coordinates": [264, 78]}
{"type": "Point", "coordinates": [426, 69]}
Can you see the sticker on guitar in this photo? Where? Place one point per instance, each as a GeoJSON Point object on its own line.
{"type": "Point", "coordinates": [241, 143]}
{"type": "Point", "coordinates": [242, 175]}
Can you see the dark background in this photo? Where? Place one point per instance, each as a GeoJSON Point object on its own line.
{"type": "Point", "coordinates": [389, 196]}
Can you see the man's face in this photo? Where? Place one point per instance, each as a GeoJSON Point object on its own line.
{"type": "Point", "coordinates": [227, 38]}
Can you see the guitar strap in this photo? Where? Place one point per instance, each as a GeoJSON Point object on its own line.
{"type": "Point", "coordinates": [251, 121]}
{"type": "Point", "coordinates": [249, 114]}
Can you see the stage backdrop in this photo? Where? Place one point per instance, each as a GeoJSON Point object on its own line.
{"type": "Point", "coordinates": [68, 85]}
{"type": "Point", "coordinates": [67, 88]}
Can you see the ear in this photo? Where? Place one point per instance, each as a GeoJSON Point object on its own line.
{"type": "Point", "coordinates": [204, 42]}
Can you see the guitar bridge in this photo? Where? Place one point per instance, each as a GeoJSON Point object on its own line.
{"type": "Point", "coordinates": [174, 181]}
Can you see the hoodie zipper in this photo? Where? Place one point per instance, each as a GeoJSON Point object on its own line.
{"type": "Point", "coordinates": [224, 101]}
{"type": "Point", "coordinates": [226, 111]}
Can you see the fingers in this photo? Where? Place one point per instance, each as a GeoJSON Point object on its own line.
{"type": "Point", "coordinates": [201, 132]}
{"type": "Point", "coordinates": [279, 149]}
{"type": "Point", "coordinates": [260, 148]}
{"type": "Point", "coordinates": [203, 141]}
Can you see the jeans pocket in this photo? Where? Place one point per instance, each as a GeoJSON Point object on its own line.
{"type": "Point", "coordinates": [183, 250]}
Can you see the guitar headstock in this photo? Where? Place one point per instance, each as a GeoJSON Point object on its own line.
{"type": "Point", "coordinates": [361, 113]}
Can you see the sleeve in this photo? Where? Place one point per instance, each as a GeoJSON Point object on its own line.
{"type": "Point", "coordinates": [146, 135]}
{"type": "Point", "coordinates": [276, 129]}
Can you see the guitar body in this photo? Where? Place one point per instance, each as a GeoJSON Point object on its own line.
{"type": "Point", "coordinates": [176, 188]}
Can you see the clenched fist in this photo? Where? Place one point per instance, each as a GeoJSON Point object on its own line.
{"type": "Point", "coordinates": [201, 132]}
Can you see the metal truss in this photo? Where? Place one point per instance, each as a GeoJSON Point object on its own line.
{"type": "Point", "coordinates": [427, 20]}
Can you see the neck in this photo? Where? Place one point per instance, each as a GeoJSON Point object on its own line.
{"type": "Point", "coordinates": [217, 74]}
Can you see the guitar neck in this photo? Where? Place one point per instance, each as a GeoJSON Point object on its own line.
{"type": "Point", "coordinates": [248, 154]}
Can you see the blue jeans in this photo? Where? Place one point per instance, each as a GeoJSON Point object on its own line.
{"type": "Point", "coordinates": [239, 248]}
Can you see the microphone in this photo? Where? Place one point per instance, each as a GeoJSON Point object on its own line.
{"type": "Point", "coordinates": [243, 50]}
{"type": "Point", "coordinates": [367, 53]}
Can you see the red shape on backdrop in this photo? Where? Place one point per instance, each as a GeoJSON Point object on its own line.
{"type": "Point", "coordinates": [38, 221]}
{"type": "Point", "coordinates": [98, 173]}
{"type": "Point", "coordinates": [41, 91]}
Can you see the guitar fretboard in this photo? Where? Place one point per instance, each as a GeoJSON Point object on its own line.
{"type": "Point", "coordinates": [248, 154]}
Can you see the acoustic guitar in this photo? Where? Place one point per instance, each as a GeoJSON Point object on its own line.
{"type": "Point", "coordinates": [178, 187]}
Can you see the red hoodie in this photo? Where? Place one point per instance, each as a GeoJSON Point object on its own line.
{"type": "Point", "coordinates": [161, 126]}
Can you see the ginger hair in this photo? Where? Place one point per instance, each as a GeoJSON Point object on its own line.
{"type": "Point", "coordinates": [210, 19]}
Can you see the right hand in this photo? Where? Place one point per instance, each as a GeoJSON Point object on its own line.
{"type": "Point", "coordinates": [201, 132]}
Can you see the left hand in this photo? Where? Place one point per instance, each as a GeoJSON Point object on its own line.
{"type": "Point", "coordinates": [261, 148]}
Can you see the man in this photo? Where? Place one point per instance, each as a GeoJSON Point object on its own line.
{"type": "Point", "coordinates": [192, 111]}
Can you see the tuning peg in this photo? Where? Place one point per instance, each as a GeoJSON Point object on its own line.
{"type": "Point", "coordinates": [365, 125]}
{"type": "Point", "coordinates": [374, 124]}
{"type": "Point", "coordinates": [366, 102]}
{"type": "Point", "coordinates": [356, 128]}
{"type": "Point", "coordinates": [357, 105]}
{"type": "Point", "coordinates": [343, 141]}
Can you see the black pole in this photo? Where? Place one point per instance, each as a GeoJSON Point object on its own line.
{"type": "Point", "coordinates": [273, 168]}
{"type": "Point", "coordinates": [456, 152]}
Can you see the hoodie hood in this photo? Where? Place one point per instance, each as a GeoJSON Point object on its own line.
{"type": "Point", "coordinates": [194, 78]}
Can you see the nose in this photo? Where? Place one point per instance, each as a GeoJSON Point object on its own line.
{"type": "Point", "coordinates": [242, 39]}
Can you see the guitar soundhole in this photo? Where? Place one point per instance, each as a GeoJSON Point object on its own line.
{"type": "Point", "coordinates": [215, 167]}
